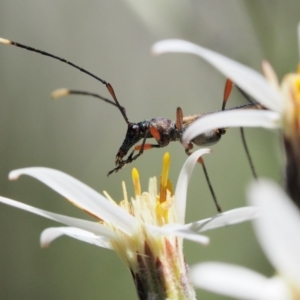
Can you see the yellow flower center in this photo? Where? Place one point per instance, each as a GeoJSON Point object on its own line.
{"type": "Point", "coordinates": [148, 208]}
{"type": "Point", "coordinates": [156, 261]}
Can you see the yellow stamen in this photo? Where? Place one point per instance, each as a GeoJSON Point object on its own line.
{"type": "Point", "coordinates": [125, 201]}
{"type": "Point", "coordinates": [297, 90]}
{"type": "Point", "coordinates": [136, 182]}
{"type": "Point", "coordinates": [106, 194]}
{"type": "Point", "coordinates": [170, 187]}
{"type": "Point", "coordinates": [164, 177]}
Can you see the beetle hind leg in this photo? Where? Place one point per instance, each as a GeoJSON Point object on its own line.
{"type": "Point", "coordinates": [200, 160]}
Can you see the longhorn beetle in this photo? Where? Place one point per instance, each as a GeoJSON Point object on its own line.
{"type": "Point", "coordinates": [163, 130]}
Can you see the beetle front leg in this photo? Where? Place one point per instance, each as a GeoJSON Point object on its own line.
{"type": "Point", "coordinates": [145, 146]}
{"type": "Point", "coordinates": [121, 163]}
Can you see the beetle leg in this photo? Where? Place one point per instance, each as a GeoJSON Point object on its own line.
{"type": "Point", "coordinates": [155, 133]}
{"type": "Point", "coordinates": [200, 160]}
{"type": "Point", "coordinates": [178, 122]}
{"type": "Point", "coordinates": [140, 148]}
{"type": "Point", "coordinates": [179, 118]}
{"type": "Point", "coordinates": [147, 146]}
{"type": "Point", "coordinates": [227, 92]}
{"type": "Point", "coordinates": [130, 157]}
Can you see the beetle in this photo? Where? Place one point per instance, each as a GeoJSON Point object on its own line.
{"type": "Point", "coordinates": [163, 130]}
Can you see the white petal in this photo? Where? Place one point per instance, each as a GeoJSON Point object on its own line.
{"type": "Point", "coordinates": [227, 218]}
{"type": "Point", "coordinates": [93, 227]}
{"type": "Point", "coordinates": [237, 282]}
{"type": "Point", "coordinates": [50, 234]}
{"type": "Point", "coordinates": [252, 82]}
{"type": "Point", "coordinates": [232, 118]}
{"type": "Point", "coordinates": [80, 195]}
{"type": "Point", "coordinates": [182, 183]}
{"type": "Point", "coordinates": [278, 228]}
{"type": "Point", "coordinates": [180, 231]}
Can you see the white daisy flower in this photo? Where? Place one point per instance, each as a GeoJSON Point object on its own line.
{"type": "Point", "coordinates": [281, 100]}
{"type": "Point", "coordinates": [252, 82]}
{"type": "Point", "coordinates": [147, 231]}
{"type": "Point", "coordinates": [277, 231]}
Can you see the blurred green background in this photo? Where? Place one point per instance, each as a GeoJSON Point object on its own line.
{"type": "Point", "coordinates": [81, 136]}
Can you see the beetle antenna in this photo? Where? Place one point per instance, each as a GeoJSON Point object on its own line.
{"type": "Point", "coordinates": [249, 158]}
{"type": "Point", "coordinates": [65, 92]}
{"type": "Point", "coordinates": [108, 85]}
{"type": "Point", "coordinates": [227, 92]}
{"type": "Point", "coordinates": [246, 96]}
{"type": "Point", "coordinates": [122, 110]}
